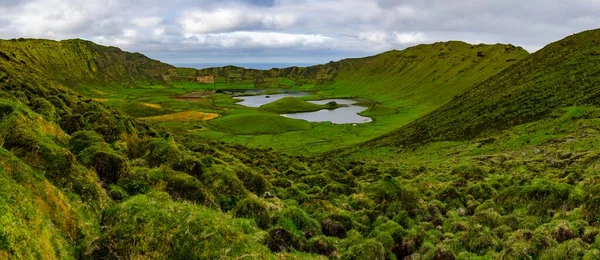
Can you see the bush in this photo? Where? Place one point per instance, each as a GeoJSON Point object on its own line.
{"type": "Point", "coordinates": [539, 197]}
{"type": "Point", "coordinates": [572, 249]}
{"type": "Point", "coordinates": [154, 225]}
{"type": "Point", "coordinates": [296, 220]}
{"type": "Point", "coordinates": [43, 107]}
{"type": "Point", "coordinates": [323, 245]}
{"type": "Point", "coordinates": [255, 209]}
{"type": "Point", "coordinates": [84, 139]}
{"type": "Point", "coordinates": [225, 185]}
{"type": "Point", "coordinates": [255, 183]}
{"type": "Point", "coordinates": [479, 239]}
{"type": "Point", "coordinates": [281, 239]}
{"type": "Point", "coordinates": [389, 189]}
{"type": "Point", "coordinates": [108, 164]}
{"type": "Point", "coordinates": [525, 244]}
{"type": "Point", "coordinates": [469, 172]}
{"type": "Point", "coordinates": [72, 123]}
{"type": "Point", "coordinates": [591, 204]}
{"type": "Point", "coordinates": [179, 185]}
{"type": "Point", "coordinates": [315, 180]}
{"type": "Point", "coordinates": [368, 249]}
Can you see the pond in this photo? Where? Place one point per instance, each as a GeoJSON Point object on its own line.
{"type": "Point", "coordinates": [347, 114]}
{"type": "Point", "coordinates": [259, 100]}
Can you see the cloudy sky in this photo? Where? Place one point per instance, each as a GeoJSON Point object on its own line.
{"type": "Point", "coordinates": [293, 31]}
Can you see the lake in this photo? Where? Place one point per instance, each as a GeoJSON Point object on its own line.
{"type": "Point", "coordinates": [259, 100]}
{"type": "Point", "coordinates": [348, 114]}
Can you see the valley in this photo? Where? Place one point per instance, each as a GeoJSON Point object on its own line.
{"type": "Point", "coordinates": [451, 151]}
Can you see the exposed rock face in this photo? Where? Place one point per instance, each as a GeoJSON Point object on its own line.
{"type": "Point", "coordinates": [206, 79]}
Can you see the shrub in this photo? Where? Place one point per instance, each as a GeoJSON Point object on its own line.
{"type": "Point", "coordinates": [154, 225]}
{"type": "Point", "coordinates": [84, 139]}
{"type": "Point", "coordinates": [315, 180]}
{"type": "Point", "coordinates": [108, 164]}
{"type": "Point", "coordinates": [479, 239]}
{"type": "Point", "coordinates": [255, 209]}
{"type": "Point", "coordinates": [280, 239]}
{"type": "Point", "coordinates": [323, 245]}
{"type": "Point", "coordinates": [525, 244]}
{"type": "Point", "coordinates": [189, 165]}
{"type": "Point", "coordinates": [591, 204]}
{"type": "Point", "coordinates": [368, 249]}
{"type": "Point", "coordinates": [469, 172]}
{"type": "Point", "coordinates": [572, 249]}
{"type": "Point", "coordinates": [179, 185]}
{"type": "Point", "coordinates": [72, 123]}
{"type": "Point", "coordinates": [255, 183]}
{"type": "Point", "coordinates": [489, 218]}
{"type": "Point", "coordinates": [296, 220]}
{"type": "Point", "coordinates": [43, 107]}
{"type": "Point", "coordinates": [539, 197]}
{"type": "Point", "coordinates": [389, 189]}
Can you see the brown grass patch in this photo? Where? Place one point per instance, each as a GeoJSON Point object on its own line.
{"type": "Point", "coordinates": [157, 106]}
{"type": "Point", "coordinates": [183, 117]}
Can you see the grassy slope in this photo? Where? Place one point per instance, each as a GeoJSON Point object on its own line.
{"type": "Point", "coordinates": [257, 123]}
{"type": "Point", "coordinates": [66, 161]}
{"type": "Point", "coordinates": [409, 83]}
{"type": "Point", "coordinates": [562, 74]}
{"type": "Point", "coordinates": [294, 105]}
{"type": "Point", "coordinates": [425, 75]}
{"type": "Point", "coordinates": [79, 62]}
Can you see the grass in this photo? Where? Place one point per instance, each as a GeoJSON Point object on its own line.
{"type": "Point", "coordinates": [560, 75]}
{"type": "Point", "coordinates": [186, 116]}
{"type": "Point", "coordinates": [154, 225]}
{"type": "Point", "coordinates": [294, 105]}
{"type": "Point", "coordinates": [257, 123]}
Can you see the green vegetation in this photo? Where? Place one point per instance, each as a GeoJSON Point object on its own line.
{"type": "Point", "coordinates": [508, 170]}
{"type": "Point", "coordinates": [560, 75]}
{"type": "Point", "coordinates": [257, 123]}
{"type": "Point", "coordinates": [294, 105]}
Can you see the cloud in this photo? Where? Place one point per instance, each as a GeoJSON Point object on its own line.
{"type": "Point", "coordinates": [249, 40]}
{"type": "Point", "coordinates": [410, 38]}
{"type": "Point", "coordinates": [230, 19]}
{"type": "Point", "coordinates": [318, 30]}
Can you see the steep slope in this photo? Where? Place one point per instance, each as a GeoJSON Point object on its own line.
{"type": "Point", "coordinates": [562, 74]}
{"type": "Point", "coordinates": [79, 62]}
{"type": "Point", "coordinates": [427, 75]}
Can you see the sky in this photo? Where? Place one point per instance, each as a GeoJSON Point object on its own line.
{"type": "Point", "coordinates": [293, 31]}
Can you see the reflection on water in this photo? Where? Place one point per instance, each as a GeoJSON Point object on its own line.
{"type": "Point", "coordinates": [257, 101]}
{"type": "Point", "coordinates": [348, 114]}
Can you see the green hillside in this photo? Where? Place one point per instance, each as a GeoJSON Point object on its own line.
{"type": "Point", "coordinates": [79, 62]}
{"type": "Point", "coordinates": [409, 84]}
{"type": "Point", "coordinates": [294, 105]}
{"type": "Point", "coordinates": [565, 73]}
{"type": "Point", "coordinates": [424, 76]}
